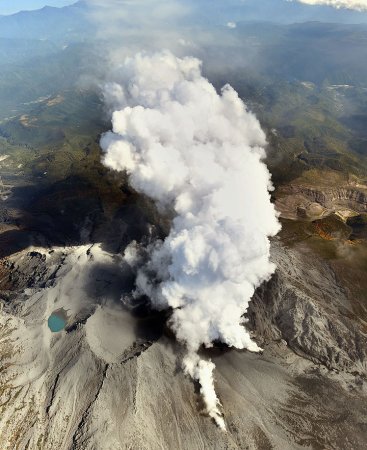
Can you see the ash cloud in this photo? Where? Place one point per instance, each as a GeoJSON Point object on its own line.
{"type": "Point", "coordinates": [199, 154]}
{"type": "Point", "coordinates": [127, 26]}
{"type": "Point", "coordinates": [358, 5]}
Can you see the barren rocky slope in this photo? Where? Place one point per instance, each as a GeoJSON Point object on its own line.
{"type": "Point", "coordinates": [112, 378]}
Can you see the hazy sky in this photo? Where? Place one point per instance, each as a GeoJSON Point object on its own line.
{"type": "Point", "coordinates": [13, 6]}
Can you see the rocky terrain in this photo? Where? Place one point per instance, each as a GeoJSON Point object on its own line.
{"type": "Point", "coordinates": [112, 379]}
{"type": "Point", "coordinates": [309, 202]}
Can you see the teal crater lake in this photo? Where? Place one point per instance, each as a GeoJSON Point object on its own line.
{"type": "Point", "coordinates": [56, 323]}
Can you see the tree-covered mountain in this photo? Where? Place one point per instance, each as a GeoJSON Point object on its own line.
{"type": "Point", "coordinates": [49, 23]}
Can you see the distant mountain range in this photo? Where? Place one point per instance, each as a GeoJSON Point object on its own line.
{"type": "Point", "coordinates": [66, 24]}
{"type": "Point", "coordinates": [71, 22]}
{"type": "Point", "coordinates": [276, 11]}
{"type": "Point", "coordinates": [274, 38]}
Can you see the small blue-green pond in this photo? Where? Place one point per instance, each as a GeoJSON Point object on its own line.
{"type": "Point", "coordinates": [56, 323]}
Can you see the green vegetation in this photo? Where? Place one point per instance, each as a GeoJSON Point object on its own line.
{"type": "Point", "coordinates": [51, 120]}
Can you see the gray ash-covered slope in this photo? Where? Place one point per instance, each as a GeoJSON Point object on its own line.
{"type": "Point", "coordinates": [112, 379]}
{"type": "Point", "coordinates": [306, 305]}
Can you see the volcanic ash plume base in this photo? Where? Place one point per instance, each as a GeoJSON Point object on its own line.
{"type": "Point", "coordinates": [200, 154]}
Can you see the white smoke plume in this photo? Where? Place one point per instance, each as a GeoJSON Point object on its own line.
{"type": "Point", "coordinates": [202, 371]}
{"type": "Point", "coordinates": [359, 5]}
{"type": "Point", "coordinates": [199, 154]}
{"type": "Point", "coordinates": [232, 25]}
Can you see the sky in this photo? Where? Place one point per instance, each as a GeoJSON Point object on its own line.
{"type": "Point", "coordinates": [13, 6]}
